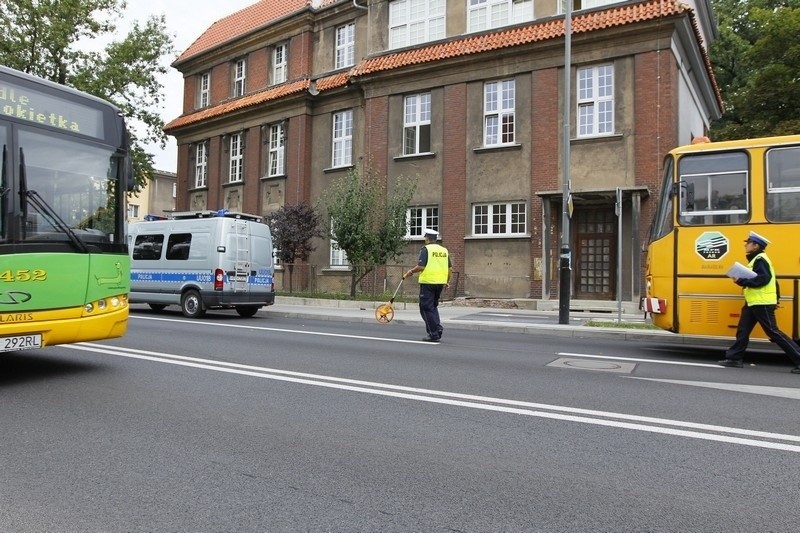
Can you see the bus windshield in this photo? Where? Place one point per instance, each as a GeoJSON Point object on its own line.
{"type": "Point", "coordinates": [77, 181]}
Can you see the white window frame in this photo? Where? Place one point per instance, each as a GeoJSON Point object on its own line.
{"type": "Point", "coordinates": [499, 122]}
{"type": "Point", "coordinates": [345, 52]}
{"type": "Point", "coordinates": [500, 219]}
{"type": "Point", "coordinates": [239, 77]}
{"type": "Point", "coordinates": [204, 90]}
{"type": "Point", "coordinates": [236, 158]}
{"type": "Point", "coordinates": [595, 100]}
{"type": "Point", "coordinates": [280, 63]}
{"type": "Point", "coordinates": [342, 139]}
{"type": "Point", "coordinates": [416, 120]}
{"type": "Point", "coordinates": [337, 257]}
{"type": "Point", "coordinates": [420, 218]}
{"type": "Point", "coordinates": [277, 150]}
{"type": "Point", "coordinates": [416, 21]}
{"type": "Point", "coordinates": [201, 165]}
{"type": "Point", "coordinates": [489, 14]}
{"type": "Point", "coordinates": [133, 210]}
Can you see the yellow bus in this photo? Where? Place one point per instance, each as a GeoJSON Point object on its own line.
{"type": "Point", "coordinates": [713, 194]}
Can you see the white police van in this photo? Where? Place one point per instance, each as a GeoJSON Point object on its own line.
{"type": "Point", "coordinates": [202, 260]}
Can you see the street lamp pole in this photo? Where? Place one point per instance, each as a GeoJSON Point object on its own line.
{"type": "Point", "coordinates": [565, 281]}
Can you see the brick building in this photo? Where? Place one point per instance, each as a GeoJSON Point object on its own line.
{"type": "Point", "coordinates": [285, 96]}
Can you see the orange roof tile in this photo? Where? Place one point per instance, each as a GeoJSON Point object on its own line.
{"type": "Point", "coordinates": [553, 28]}
{"type": "Point", "coordinates": [242, 22]}
{"type": "Point", "coordinates": [273, 93]}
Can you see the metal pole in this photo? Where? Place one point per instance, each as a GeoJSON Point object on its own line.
{"type": "Point", "coordinates": [565, 281]}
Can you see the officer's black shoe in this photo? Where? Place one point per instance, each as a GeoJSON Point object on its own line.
{"type": "Point", "coordinates": [795, 370]}
{"type": "Point", "coordinates": [731, 363]}
{"type": "Point", "coordinates": [431, 339]}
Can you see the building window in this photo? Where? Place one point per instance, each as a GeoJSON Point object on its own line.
{"type": "Point", "coordinates": [239, 77]}
{"type": "Point", "coordinates": [588, 4]}
{"type": "Point", "coordinates": [203, 89]}
{"type": "Point", "coordinates": [338, 259]}
{"type": "Point", "coordinates": [279, 63]}
{"type": "Point", "coordinates": [277, 139]}
{"type": "Point", "coordinates": [487, 14]}
{"type": "Point", "coordinates": [417, 124]}
{"type": "Point", "coordinates": [596, 100]}
{"type": "Point", "coordinates": [498, 111]}
{"type": "Point", "coordinates": [345, 46]}
{"type": "Point", "coordinates": [342, 138]}
{"type": "Point", "coordinates": [499, 219]}
{"type": "Point", "coordinates": [133, 211]}
{"type": "Point", "coordinates": [415, 21]}
{"type": "Point", "coordinates": [236, 158]}
{"type": "Point", "coordinates": [421, 218]}
{"type": "Point", "coordinates": [200, 165]}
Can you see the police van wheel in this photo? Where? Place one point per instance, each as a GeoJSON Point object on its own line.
{"type": "Point", "coordinates": [192, 305]}
{"type": "Point", "coordinates": [157, 307]}
{"type": "Point", "coordinates": [247, 311]}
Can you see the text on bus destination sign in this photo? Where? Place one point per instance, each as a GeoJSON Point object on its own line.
{"type": "Point", "coordinates": [34, 106]}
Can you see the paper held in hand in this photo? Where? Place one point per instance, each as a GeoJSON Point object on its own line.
{"type": "Point", "coordinates": [739, 271]}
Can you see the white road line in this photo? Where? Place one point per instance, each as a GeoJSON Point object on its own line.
{"type": "Point", "coordinates": [763, 390]}
{"type": "Point", "coordinates": [657, 361]}
{"type": "Point", "coordinates": [633, 422]}
{"type": "Point", "coordinates": [281, 330]}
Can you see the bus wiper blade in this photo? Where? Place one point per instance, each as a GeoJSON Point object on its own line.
{"type": "Point", "coordinates": [43, 208]}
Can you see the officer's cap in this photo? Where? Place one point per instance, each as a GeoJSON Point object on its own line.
{"type": "Point", "coordinates": [758, 239]}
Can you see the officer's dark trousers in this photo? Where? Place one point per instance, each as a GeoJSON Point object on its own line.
{"type": "Point", "coordinates": [429, 308]}
{"type": "Point", "coordinates": [765, 316]}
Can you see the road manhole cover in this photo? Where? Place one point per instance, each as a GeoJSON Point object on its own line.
{"type": "Point", "coordinates": [593, 364]}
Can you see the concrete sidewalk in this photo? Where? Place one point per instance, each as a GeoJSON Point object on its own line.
{"type": "Point", "coordinates": [531, 322]}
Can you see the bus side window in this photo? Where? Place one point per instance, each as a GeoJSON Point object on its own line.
{"type": "Point", "coordinates": [783, 184]}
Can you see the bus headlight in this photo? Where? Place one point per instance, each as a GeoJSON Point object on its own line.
{"type": "Point", "coordinates": [89, 308]}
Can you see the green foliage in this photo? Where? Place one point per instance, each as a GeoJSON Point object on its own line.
{"type": "Point", "coordinates": [756, 61]}
{"type": "Point", "coordinates": [293, 228]}
{"type": "Point", "coordinates": [368, 221]}
{"type": "Point", "coordinates": [48, 38]}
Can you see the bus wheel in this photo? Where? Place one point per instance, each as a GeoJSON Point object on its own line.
{"type": "Point", "coordinates": [192, 304]}
{"type": "Point", "coordinates": [247, 310]}
{"type": "Point", "coordinates": [157, 307]}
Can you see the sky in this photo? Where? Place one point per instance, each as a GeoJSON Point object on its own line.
{"type": "Point", "coordinates": [186, 21]}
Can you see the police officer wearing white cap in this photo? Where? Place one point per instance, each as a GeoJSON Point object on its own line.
{"type": "Point", "coordinates": [435, 266]}
{"type": "Point", "coordinates": [761, 298]}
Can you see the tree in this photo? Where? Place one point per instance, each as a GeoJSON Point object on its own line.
{"type": "Point", "coordinates": [49, 38]}
{"type": "Point", "coordinates": [756, 62]}
{"type": "Point", "coordinates": [293, 228]}
{"type": "Point", "coordinates": [367, 222]}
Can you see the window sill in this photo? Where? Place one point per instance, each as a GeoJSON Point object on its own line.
{"type": "Point", "coordinates": [199, 189]}
{"type": "Point", "coordinates": [275, 177]}
{"type": "Point", "coordinates": [597, 138]}
{"type": "Point", "coordinates": [497, 236]}
{"type": "Point", "coordinates": [497, 148]}
{"type": "Point", "coordinates": [233, 184]}
{"type": "Point", "coordinates": [337, 269]}
{"type": "Point", "coordinates": [337, 169]}
{"type": "Point", "coordinates": [421, 155]}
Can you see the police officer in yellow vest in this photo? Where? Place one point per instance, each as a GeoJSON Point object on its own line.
{"type": "Point", "coordinates": [436, 267]}
{"type": "Point", "coordinates": [761, 298]}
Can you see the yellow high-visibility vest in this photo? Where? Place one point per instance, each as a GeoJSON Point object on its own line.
{"type": "Point", "coordinates": [436, 270]}
{"type": "Point", "coordinates": [766, 295]}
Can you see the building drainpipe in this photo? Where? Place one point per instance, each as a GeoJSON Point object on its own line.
{"type": "Point", "coordinates": [359, 6]}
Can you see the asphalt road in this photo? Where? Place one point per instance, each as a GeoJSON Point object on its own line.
{"type": "Point", "coordinates": [268, 424]}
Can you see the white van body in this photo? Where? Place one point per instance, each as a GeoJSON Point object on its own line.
{"type": "Point", "coordinates": [202, 260]}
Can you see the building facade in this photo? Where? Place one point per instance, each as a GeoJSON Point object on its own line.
{"type": "Point", "coordinates": [156, 198]}
{"type": "Point", "coordinates": [285, 96]}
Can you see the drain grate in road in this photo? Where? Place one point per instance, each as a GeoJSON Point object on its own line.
{"type": "Point", "coordinates": [591, 364]}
